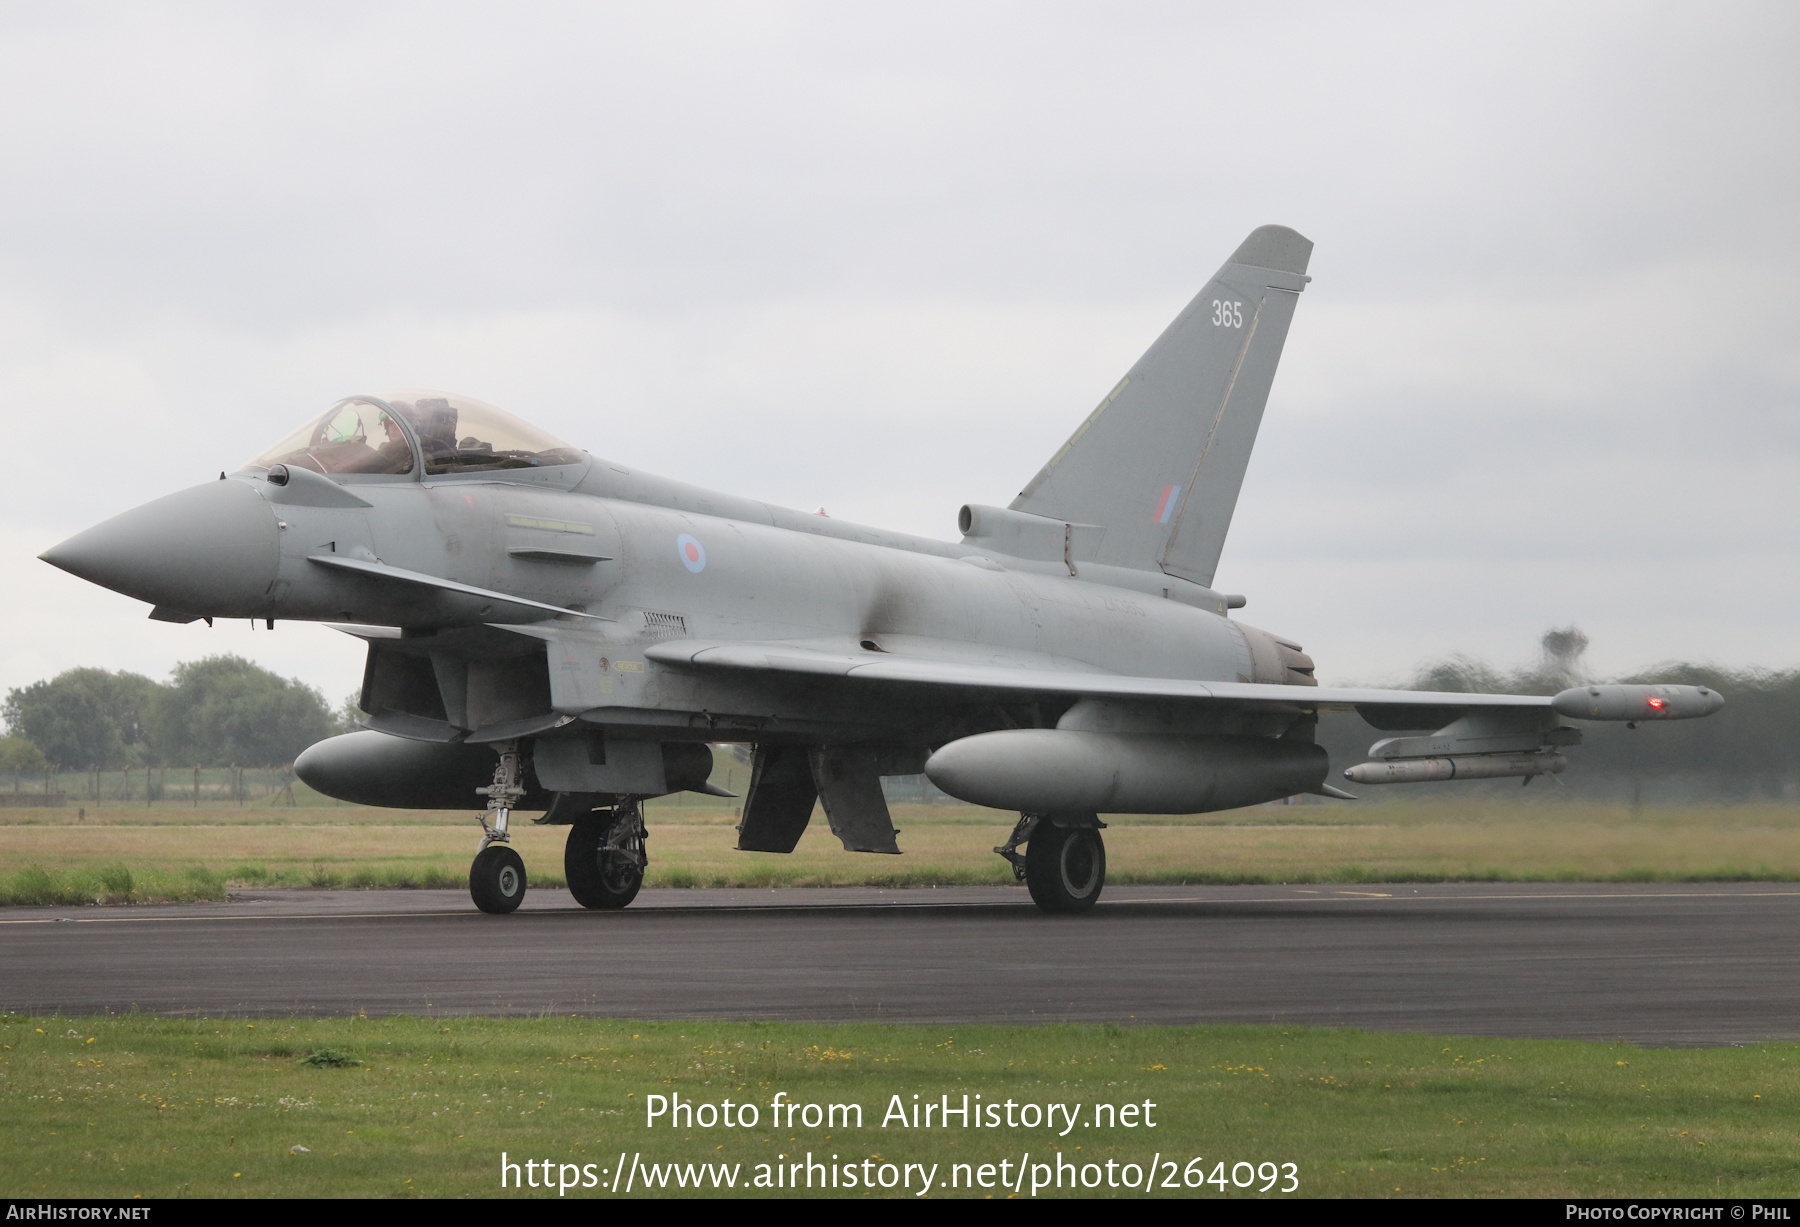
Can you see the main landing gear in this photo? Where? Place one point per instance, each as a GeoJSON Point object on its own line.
{"type": "Point", "coordinates": [497, 878]}
{"type": "Point", "coordinates": [604, 858]}
{"type": "Point", "coordinates": [1064, 862]}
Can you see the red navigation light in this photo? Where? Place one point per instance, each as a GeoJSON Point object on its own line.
{"type": "Point", "coordinates": [1656, 704]}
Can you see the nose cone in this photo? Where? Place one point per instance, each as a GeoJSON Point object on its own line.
{"type": "Point", "coordinates": [211, 551]}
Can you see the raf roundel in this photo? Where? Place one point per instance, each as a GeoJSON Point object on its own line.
{"type": "Point", "coordinates": [692, 553]}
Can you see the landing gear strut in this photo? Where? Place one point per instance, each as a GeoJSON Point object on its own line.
{"type": "Point", "coordinates": [1064, 862]}
{"type": "Point", "coordinates": [497, 878]}
{"type": "Point", "coordinates": [604, 858]}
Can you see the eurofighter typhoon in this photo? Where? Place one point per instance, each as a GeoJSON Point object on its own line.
{"type": "Point", "coordinates": [563, 633]}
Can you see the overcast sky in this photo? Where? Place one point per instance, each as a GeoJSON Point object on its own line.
{"type": "Point", "coordinates": [883, 258]}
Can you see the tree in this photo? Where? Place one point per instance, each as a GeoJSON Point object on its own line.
{"type": "Point", "coordinates": [225, 709]}
{"type": "Point", "coordinates": [84, 717]}
{"type": "Point", "coordinates": [18, 754]}
{"type": "Point", "coordinates": [1561, 649]}
{"type": "Point", "coordinates": [1459, 674]}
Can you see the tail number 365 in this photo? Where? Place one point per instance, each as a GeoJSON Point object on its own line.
{"type": "Point", "coordinates": [1227, 314]}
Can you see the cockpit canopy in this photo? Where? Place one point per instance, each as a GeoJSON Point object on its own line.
{"type": "Point", "coordinates": [395, 432]}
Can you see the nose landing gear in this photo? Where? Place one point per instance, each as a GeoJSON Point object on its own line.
{"type": "Point", "coordinates": [497, 878]}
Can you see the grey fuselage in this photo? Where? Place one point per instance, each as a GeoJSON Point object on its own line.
{"type": "Point", "coordinates": [763, 574]}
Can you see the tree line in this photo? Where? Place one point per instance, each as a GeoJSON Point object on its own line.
{"type": "Point", "coordinates": [217, 712]}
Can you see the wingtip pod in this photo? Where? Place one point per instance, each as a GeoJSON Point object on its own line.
{"type": "Point", "coordinates": [1276, 247]}
{"type": "Point", "coordinates": [1622, 702]}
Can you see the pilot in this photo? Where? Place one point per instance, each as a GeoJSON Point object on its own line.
{"type": "Point", "coordinates": [436, 424]}
{"type": "Point", "coordinates": [396, 452]}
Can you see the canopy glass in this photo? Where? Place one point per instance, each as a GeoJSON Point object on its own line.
{"type": "Point", "coordinates": [396, 431]}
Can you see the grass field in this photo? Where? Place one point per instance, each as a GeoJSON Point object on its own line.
{"type": "Point", "coordinates": [424, 1107]}
{"type": "Point", "coordinates": [124, 1106]}
{"type": "Point", "coordinates": [142, 855]}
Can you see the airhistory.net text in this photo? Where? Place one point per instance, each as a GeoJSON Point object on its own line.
{"type": "Point", "coordinates": [673, 1111]}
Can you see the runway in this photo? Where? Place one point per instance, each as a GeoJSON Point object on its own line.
{"type": "Point", "coordinates": [1654, 964]}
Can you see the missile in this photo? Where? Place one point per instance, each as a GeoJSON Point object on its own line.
{"type": "Point", "coordinates": [1616, 702]}
{"type": "Point", "coordinates": [1456, 767]}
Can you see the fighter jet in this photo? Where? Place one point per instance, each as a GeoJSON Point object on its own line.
{"type": "Point", "coordinates": [553, 631]}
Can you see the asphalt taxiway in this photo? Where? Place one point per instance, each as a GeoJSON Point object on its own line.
{"type": "Point", "coordinates": [1657, 964]}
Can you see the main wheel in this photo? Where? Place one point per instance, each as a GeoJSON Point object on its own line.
{"type": "Point", "coordinates": [1065, 867]}
{"type": "Point", "coordinates": [598, 876]}
{"type": "Point", "coordinates": [497, 880]}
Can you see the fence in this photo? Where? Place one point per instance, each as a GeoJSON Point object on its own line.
{"type": "Point", "coordinates": [184, 787]}
{"type": "Point", "coordinates": [219, 787]}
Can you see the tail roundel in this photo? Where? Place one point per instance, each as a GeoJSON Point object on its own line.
{"type": "Point", "coordinates": [1159, 463]}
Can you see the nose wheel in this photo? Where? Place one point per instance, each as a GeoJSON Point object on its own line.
{"type": "Point", "coordinates": [497, 878]}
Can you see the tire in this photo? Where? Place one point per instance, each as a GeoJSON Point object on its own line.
{"type": "Point", "coordinates": [597, 879]}
{"type": "Point", "coordinates": [1065, 867]}
{"type": "Point", "coordinates": [497, 880]}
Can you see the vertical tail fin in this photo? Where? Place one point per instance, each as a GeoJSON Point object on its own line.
{"type": "Point", "coordinates": [1159, 463]}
